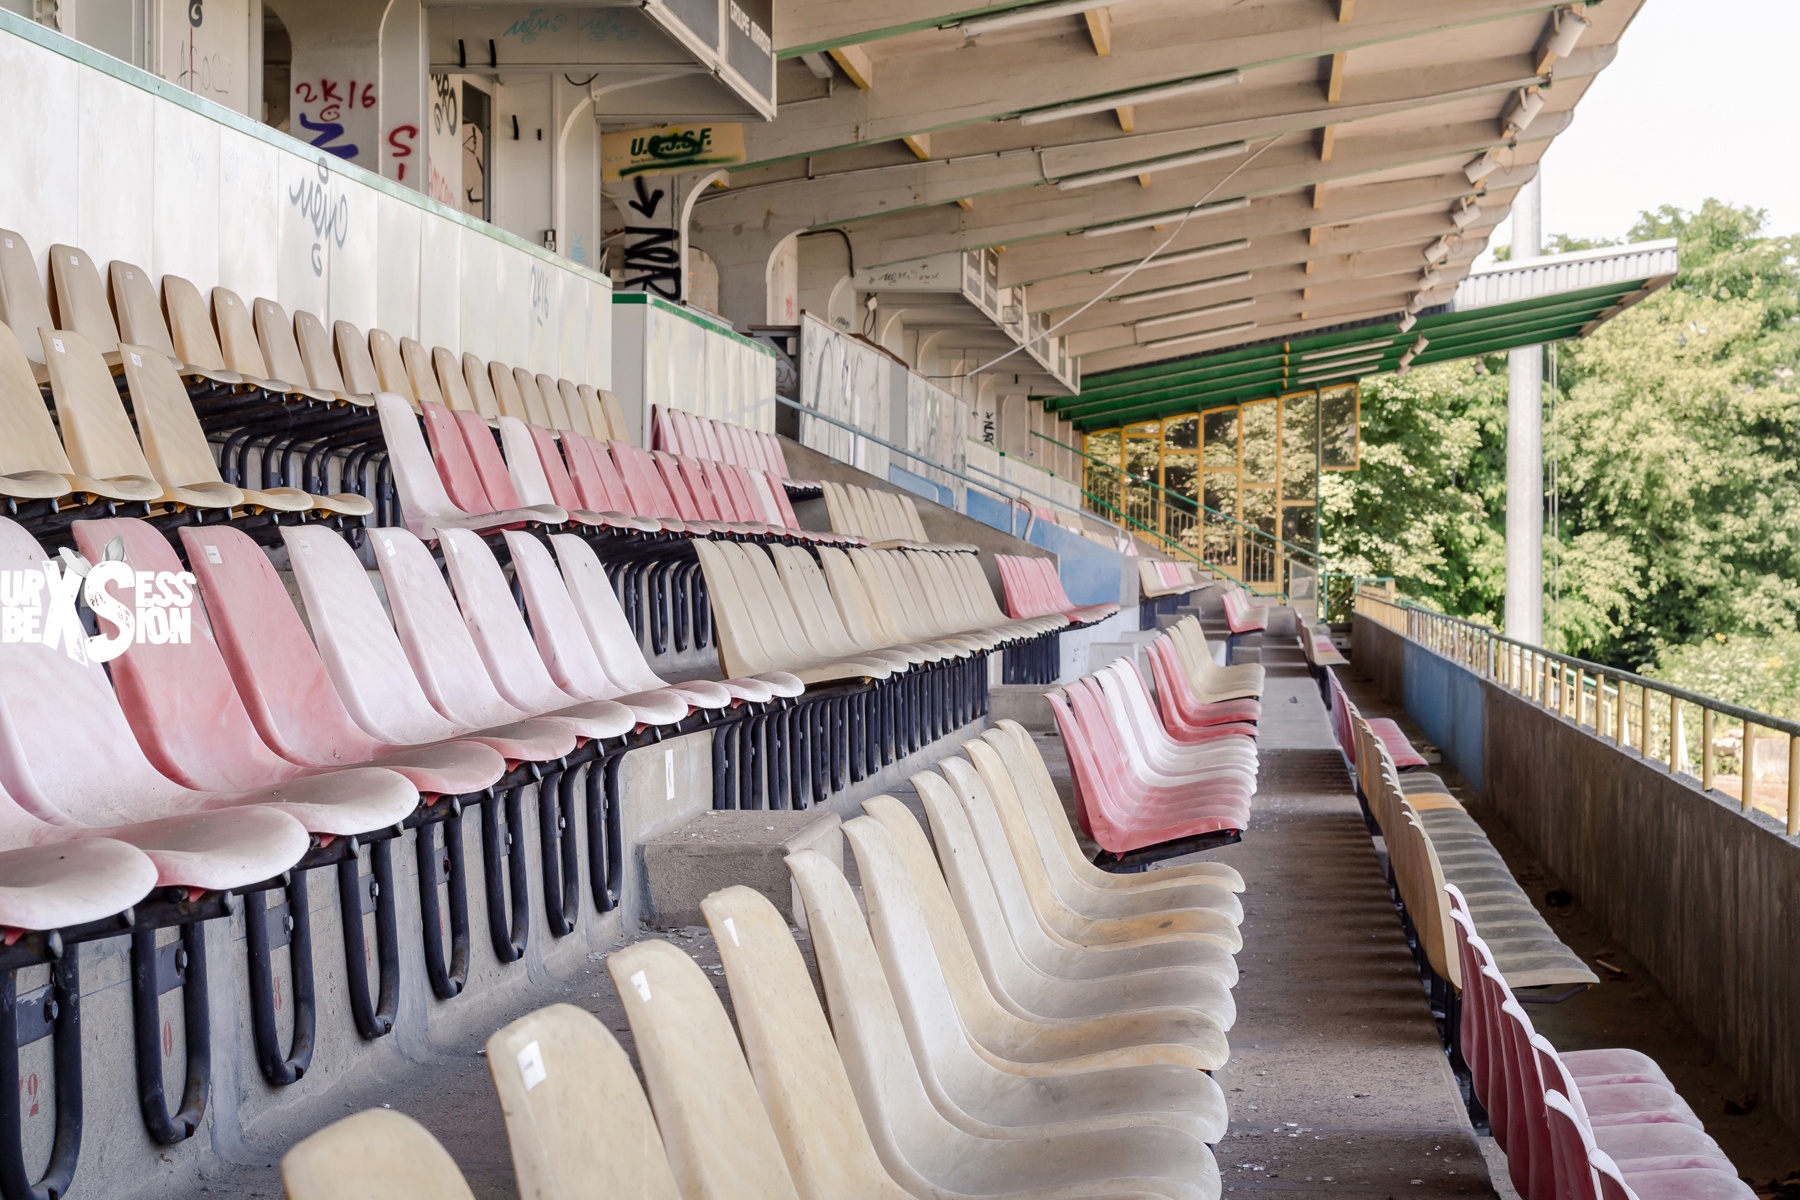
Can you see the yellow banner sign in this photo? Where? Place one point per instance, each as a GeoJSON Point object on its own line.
{"type": "Point", "coordinates": [669, 149]}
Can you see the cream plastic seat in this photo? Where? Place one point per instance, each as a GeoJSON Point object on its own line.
{"type": "Point", "coordinates": [102, 450]}
{"type": "Point", "coordinates": [1055, 836]}
{"type": "Point", "coordinates": [576, 407]}
{"type": "Point", "coordinates": [480, 387]}
{"type": "Point", "coordinates": [719, 1140]}
{"type": "Point", "coordinates": [576, 1117]}
{"type": "Point", "coordinates": [553, 402]}
{"type": "Point", "coordinates": [532, 397]}
{"type": "Point", "coordinates": [452, 384]}
{"type": "Point", "coordinates": [1178, 1036]}
{"type": "Point", "coordinates": [1048, 910]}
{"type": "Point", "coordinates": [1039, 973]}
{"type": "Point", "coordinates": [354, 361]}
{"type": "Point", "coordinates": [864, 619]}
{"type": "Point", "coordinates": [319, 361]}
{"type": "Point", "coordinates": [871, 1041]}
{"type": "Point", "coordinates": [176, 450]}
{"type": "Point", "coordinates": [819, 616]}
{"type": "Point", "coordinates": [24, 307]}
{"type": "Point", "coordinates": [984, 1081]}
{"type": "Point", "coordinates": [390, 367]}
{"type": "Point", "coordinates": [419, 371]}
{"type": "Point", "coordinates": [507, 396]}
{"type": "Point", "coordinates": [1211, 682]}
{"type": "Point", "coordinates": [375, 1155]}
{"type": "Point", "coordinates": [33, 464]}
{"type": "Point", "coordinates": [600, 426]}
{"type": "Point", "coordinates": [741, 615]}
{"type": "Point", "coordinates": [243, 352]}
{"type": "Point", "coordinates": [275, 333]}
{"type": "Point", "coordinates": [141, 322]}
{"type": "Point", "coordinates": [80, 300]}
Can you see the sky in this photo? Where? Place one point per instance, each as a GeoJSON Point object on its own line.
{"type": "Point", "coordinates": [1701, 102]}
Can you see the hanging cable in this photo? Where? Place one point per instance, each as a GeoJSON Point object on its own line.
{"type": "Point", "coordinates": [1121, 280]}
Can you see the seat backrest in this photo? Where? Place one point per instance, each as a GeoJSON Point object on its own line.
{"type": "Point", "coordinates": [591, 485]}
{"type": "Point", "coordinates": [608, 630]}
{"type": "Point", "coordinates": [598, 425]}
{"type": "Point", "coordinates": [180, 699]}
{"type": "Point", "coordinates": [532, 397]}
{"type": "Point", "coordinates": [669, 469]}
{"type": "Point", "coordinates": [23, 304]}
{"type": "Point", "coordinates": [556, 471]}
{"type": "Point", "coordinates": [497, 627]}
{"type": "Point", "coordinates": [275, 332]}
{"type": "Point", "coordinates": [360, 376]}
{"type": "Point", "coordinates": [480, 386]}
{"type": "Point", "coordinates": [576, 1117]}
{"type": "Point", "coordinates": [190, 325]}
{"type": "Point", "coordinates": [553, 401]}
{"type": "Point", "coordinates": [375, 1155]}
{"type": "Point", "coordinates": [390, 368]}
{"type": "Point", "coordinates": [562, 640]}
{"type": "Point", "coordinates": [416, 361]}
{"type": "Point", "coordinates": [174, 445]}
{"type": "Point", "coordinates": [443, 656]}
{"type": "Point", "coordinates": [717, 1135]}
{"type": "Point", "coordinates": [506, 391]}
{"type": "Point", "coordinates": [28, 440]}
{"type": "Point", "coordinates": [450, 380]}
{"type": "Point", "coordinates": [455, 466]}
{"type": "Point", "coordinates": [278, 672]}
{"type": "Point", "coordinates": [811, 598]}
{"type": "Point", "coordinates": [140, 316]}
{"type": "Point", "coordinates": [423, 499]}
{"type": "Point", "coordinates": [95, 430]}
{"type": "Point", "coordinates": [1573, 1149]}
{"type": "Point", "coordinates": [615, 416]}
{"type": "Point", "coordinates": [490, 467]}
{"type": "Point", "coordinates": [740, 651]}
{"type": "Point", "coordinates": [356, 640]}
{"type": "Point", "coordinates": [523, 464]}
{"type": "Point", "coordinates": [237, 335]}
{"type": "Point", "coordinates": [314, 341]}
{"type": "Point", "coordinates": [80, 298]}
{"type": "Point", "coordinates": [788, 1044]}
{"type": "Point", "coordinates": [575, 407]}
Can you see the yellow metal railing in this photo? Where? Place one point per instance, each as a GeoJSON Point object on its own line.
{"type": "Point", "coordinates": [1689, 733]}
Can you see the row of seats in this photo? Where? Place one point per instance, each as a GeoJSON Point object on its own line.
{"type": "Point", "coordinates": [223, 341]}
{"type": "Point", "coordinates": [886, 519]}
{"type": "Point", "coordinates": [683, 433]}
{"type": "Point", "coordinates": [164, 463]}
{"type": "Point", "coordinates": [1006, 1021]}
{"type": "Point", "coordinates": [1156, 779]}
{"type": "Point", "coordinates": [1431, 840]}
{"type": "Point", "coordinates": [1576, 1125]}
{"type": "Point", "coordinates": [1035, 589]}
{"type": "Point", "coordinates": [1157, 579]}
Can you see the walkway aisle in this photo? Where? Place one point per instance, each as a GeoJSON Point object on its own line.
{"type": "Point", "coordinates": [1338, 1084]}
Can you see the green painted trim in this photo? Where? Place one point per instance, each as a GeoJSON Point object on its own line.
{"type": "Point", "coordinates": [124, 72]}
{"type": "Point", "coordinates": [688, 314]}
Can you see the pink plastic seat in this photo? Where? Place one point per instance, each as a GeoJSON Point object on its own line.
{"type": "Point", "coordinates": [1240, 616]}
{"type": "Point", "coordinates": [193, 728]}
{"type": "Point", "coordinates": [424, 501]}
{"type": "Point", "coordinates": [456, 467]}
{"type": "Point", "coordinates": [285, 686]}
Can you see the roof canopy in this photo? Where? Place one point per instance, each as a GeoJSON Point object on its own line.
{"type": "Point", "coordinates": [1515, 304]}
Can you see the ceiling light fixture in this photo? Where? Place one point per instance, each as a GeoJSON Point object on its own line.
{"type": "Point", "coordinates": [1526, 106]}
{"type": "Point", "coordinates": [1438, 251]}
{"type": "Point", "coordinates": [1430, 279]}
{"type": "Point", "coordinates": [1183, 338]}
{"type": "Point", "coordinates": [1407, 322]}
{"type": "Point", "coordinates": [1186, 256]}
{"type": "Point", "coordinates": [1418, 347]}
{"type": "Point", "coordinates": [1190, 314]}
{"type": "Point", "coordinates": [1151, 165]}
{"type": "Point", "coordinates": [1146, 95]}
{"type": "Point", "coordinates": [1164, 218]}
{"type": "Point", "coordinates": [1566, 28]}
{"type": "Point", "coordinates": [1034, 14]}
{"type": "Point", "coordinates": [1482, 167]}
{"type": "Point", "coordinates": [1183, 289]}
{"type": "Point", "coordinates": [1466, 213]}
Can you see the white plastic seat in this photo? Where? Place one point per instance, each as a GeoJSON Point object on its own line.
{"type": "Point", "coordinates": [1037, 973]}
{"type": "Point", "coordinates": [424, 503]}
{"type": "Point", "coordinates": [921, 1138]}
{"type": "Point", "coordinates": [1132, 714]}
{"type": "Point", "coordinates": [719, 1141]}
{"type": "Point", "coordinates": [741, 617]}
{"type": "Point", "coordinates": [576, 1116]}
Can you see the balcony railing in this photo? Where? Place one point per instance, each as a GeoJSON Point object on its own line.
{"type": "Point", "coordinates": [1646, 716]}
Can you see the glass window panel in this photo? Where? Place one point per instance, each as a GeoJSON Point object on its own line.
{"type": "Point", "coordinates": [1259, 512]}
{"type": "Point", "coordinates": [1141, 462]}
{"type": "Point", "coordinates": [1101, 473]}
{"type": "Point", "coordinates": [1259, 442]}
{"type": "Point", "coordinates": [1299, 446]}
{"type": "Point", "coordinates": [1221, 534]}
{"type": "Point", "coordinates": [1340, 428]}
{"type": "Point", "coordinates": [1148, 429]}
{"type": "Point", "coordinates": [1181, 433]}
{"type": "Point", "coordinates": [1300, 525]}
{"type": "Point", "coordinates": [1222, 437]}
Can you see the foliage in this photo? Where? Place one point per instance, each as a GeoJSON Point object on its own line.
{"type": "Point", "coordinates": [1758, 672]}
{"type": "Point", "coordinates": [1676, 430]}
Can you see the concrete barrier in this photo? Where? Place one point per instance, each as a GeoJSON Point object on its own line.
{"type": "Point", "coordinates": [1703, 895]}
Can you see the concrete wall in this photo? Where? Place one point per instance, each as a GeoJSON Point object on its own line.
{"type": "Point", "coordinates": [1704, 896]}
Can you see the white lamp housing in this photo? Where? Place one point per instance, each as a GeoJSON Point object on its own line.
{"type": "Point", "coordinates": [1438, 251]}
{"type": "Point", "coordinates": [1407, 322]}
{"type": "Point", "coordinates": [1418, 347]}
{"type": "Point", "coordinates": [1525, 108]}
{"type": "Point", "coordinates": [1566, 28]}
{"type": "Point", "coordinates": [1466, 213]}
{"type": "Point", "coordinates": [1482, 167]}
{"type": "Point", "coordinates": [1429, 279]}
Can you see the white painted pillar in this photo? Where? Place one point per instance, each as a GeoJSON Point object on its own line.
{"type": "Point", "coordinates": [1525, 451]}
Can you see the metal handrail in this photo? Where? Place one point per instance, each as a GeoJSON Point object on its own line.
{"type": "Point", "coordinates": [1544, 678]}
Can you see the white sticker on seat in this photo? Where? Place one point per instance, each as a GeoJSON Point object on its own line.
{"type": "Point", "coordinates": [212, 555]}
{"type": "Point", "coordinates": [305, 546]}
{"type": "Point", "coordinates": [641, 983]}
{"type": "Point", "coordinates": [74, 260]}
{"type": "Point", "coordinates": [57, 342]}
{"type": "Point", "coordinates": [388, 545]}
{"type": "Point", "coordinates": [454, 548]}
{"type": "Point", "coordinates": [731, 928]}
{"type": "Point", "coordinates": [531, 1065]}
{"type": "Point", "coordinates": [136, 361]}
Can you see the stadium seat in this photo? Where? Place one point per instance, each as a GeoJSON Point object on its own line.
{"type": "Point", "coordinates": [244, 353]}
{"type": "Point", "coordinates": [576, 1117]}
{"type": "Point", "coordinates": [375, 1155]}
{"type": "Point", "coordinates": [320, 361]}
{"type": "Point", "coordinates": [424, 502]}
{"type": "Point", "coordinates": [354, 362]}
{"type": "Point", "coordinates": [24, 306]}
{"type": "Point", "coordinates": [887, 1076]}
{"type": "Point", "coordinates": [718, 1137]}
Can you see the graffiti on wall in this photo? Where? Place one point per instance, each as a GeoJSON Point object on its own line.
{"type": "Point", "coordinates": [652, 252]}
{"type": "Point", "coordinates": [443, 157]}
{"type": "Point", "coordinates": [330, 219]}
{"type": "Point", "coordinates": [323, 106]}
